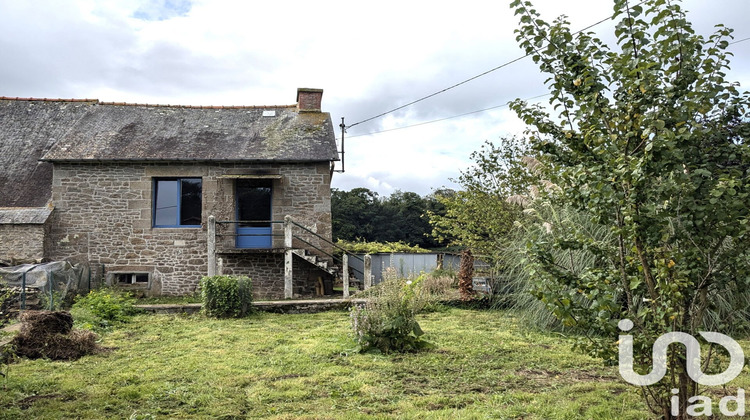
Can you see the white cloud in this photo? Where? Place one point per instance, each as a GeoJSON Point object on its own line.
{"type": "Point", "coordinates": [368, 57]}
{"type": "Point", "coordinates": [162, 9]}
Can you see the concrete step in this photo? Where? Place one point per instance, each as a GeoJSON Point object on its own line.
{"type": "Point", "coordinates": [314, 260]}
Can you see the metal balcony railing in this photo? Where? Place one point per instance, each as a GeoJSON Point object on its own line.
{"type": "Point", "coordinates": [292, 231]}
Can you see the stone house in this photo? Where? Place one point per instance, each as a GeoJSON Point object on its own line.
{"type": "Point", "coordinates": [134, 190]}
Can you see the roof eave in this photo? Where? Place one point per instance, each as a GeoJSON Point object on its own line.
{"type": "Point", "coordinates": [159, 160]}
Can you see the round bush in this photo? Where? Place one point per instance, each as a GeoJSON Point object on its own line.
{"type": "Point", "coordinates": [227, 296]}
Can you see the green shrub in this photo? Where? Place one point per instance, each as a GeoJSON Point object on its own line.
{"type": "Point", "coordinates": [387, 322]}
{"type": "Point", "coordinates": [227, 296]}
{"type": "Point", "coordinates": [51, 303]}
{"type": "Point", "coordinates": [438, 289]}
{"type": "Point", "coordinates": [8, 297]}
{"type": "Point", "coordinates": [103, 308]}
{"type": "Point", "coordinates": [361, 247]}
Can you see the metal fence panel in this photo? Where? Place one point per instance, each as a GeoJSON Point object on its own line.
{"type": "Point", "coordinates": [405, 264]}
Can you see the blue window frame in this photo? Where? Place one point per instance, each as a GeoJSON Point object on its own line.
{"type": "Point", "coordinates": [177, 202]}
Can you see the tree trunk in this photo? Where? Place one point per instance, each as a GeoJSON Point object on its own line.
{"type": "Point", "coordinates": [465, 275]}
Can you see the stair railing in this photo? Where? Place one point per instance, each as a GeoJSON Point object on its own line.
{"type": "Point", "coordinates": [290, 224]}
{"type": "Point", "coordinates": [289, 236]}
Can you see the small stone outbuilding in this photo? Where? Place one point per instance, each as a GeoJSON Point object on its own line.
{"type": "Point", "coordinates": [23, 234]}
{"type": "Point", "coordinates": [129, 189]}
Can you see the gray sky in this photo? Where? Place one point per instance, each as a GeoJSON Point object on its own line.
{"type": "Point", "coordinates": [368, 57]}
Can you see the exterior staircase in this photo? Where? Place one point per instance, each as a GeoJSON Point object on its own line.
{"type": "Point", "coordinates": [335, 272]}
{"type": "Point", "coordinates": [316, 261]}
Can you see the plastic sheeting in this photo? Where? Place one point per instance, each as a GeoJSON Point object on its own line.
{"type": "Point", "coordinates": [55, 279]}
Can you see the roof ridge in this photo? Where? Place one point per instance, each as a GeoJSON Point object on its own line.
{"type": "Point", "coordinates": [199, 106]}
{"type": "Point", "coordinates": [11, 98]}
{"type": "Point", "coordinates": [98, 102]}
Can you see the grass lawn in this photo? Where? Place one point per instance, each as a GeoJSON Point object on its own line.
{"type": "Point", "coordinates": [484, 365]}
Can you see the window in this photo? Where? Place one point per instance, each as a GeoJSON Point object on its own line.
{"type": "Point", "coordinates": [177, 202]}
{"type": "Point", "coordinates": [254, 212]}
{"type": "Point", "coordinates": [254, 203]}
{"type": "Point", "coordinates": [131, 278]}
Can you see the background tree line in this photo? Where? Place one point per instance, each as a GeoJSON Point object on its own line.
{"type": "Point", "coordinates": [362, 215]}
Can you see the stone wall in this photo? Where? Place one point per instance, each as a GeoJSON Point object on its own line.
{"type": "Point", "coordinates": [103, 215]}
{"type": "Point", "coordinates": [21, 243]}
{"type": "Point", "coordinates": [303, 191]}
{"type": "Point", "coordinates": [266, 270]}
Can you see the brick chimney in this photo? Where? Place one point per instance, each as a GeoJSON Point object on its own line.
{"type": "Point", "coordinates": [308, 100]}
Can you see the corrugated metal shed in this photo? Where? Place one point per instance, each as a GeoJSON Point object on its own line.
{"type": "Point", "coordinates": [406, 264]}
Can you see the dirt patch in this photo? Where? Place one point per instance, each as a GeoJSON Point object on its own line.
{"type": "Point", "coordinates": [435, 406]}
{"type": "Point", "coordinates": [585, 375]}
{"type": "Point", "coordinates": [289, 376]}
{"type": "Point", "coordinates": [722, 392]}
{"type": "Point", "coordinates": [28, 401]}
{"type": "Point", "coordinates": [50, 335]}
{"type": "Point", "coordinates": [564, 377]}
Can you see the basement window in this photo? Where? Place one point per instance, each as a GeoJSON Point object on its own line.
{"type": "Point", "coordinates": [131, 278]}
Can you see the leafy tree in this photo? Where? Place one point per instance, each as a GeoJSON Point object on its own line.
{"type": "Point", "coordinates": [651, 142]}
{"type": "Point", "coordinates": [361, 215]}
{"type": "Point", "coordinates": [403, 218]}
{"type": "Point", "coordinates": [479, 216]}
{"type": "Point", "coordinates": [435, 206]}
{"type": "Point", "coordinates": [353, 214]}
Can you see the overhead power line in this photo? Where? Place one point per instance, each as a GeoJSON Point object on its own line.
{"type": "Point", "coordinates": [741, 40]}
{"type": "Point", "coordinates": [469, 79]}
{"type": "Point", "coordinates": [446, 118]}
{"type": "Point", "coordinates": [477, 111]}
{"type": "Point", "coordinates": [439, 92]}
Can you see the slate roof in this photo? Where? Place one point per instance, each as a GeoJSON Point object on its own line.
{"type": "Point", "coordinates": [28, 129]}
{"type": "Point", "coordinates": [165, 133]}
{"type": "Point", "coordinates": [34, 132]}
{"type": "Point", "coordinates": [30, 216]}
